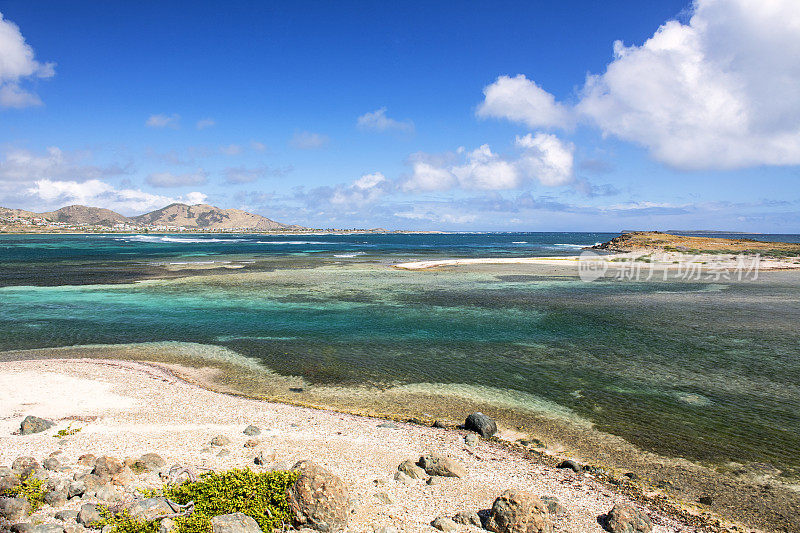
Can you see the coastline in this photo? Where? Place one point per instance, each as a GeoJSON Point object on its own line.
{"type": "Point", "coordinates": [125, 409]}
{"type": "Point", "coordinates": [667, 487]}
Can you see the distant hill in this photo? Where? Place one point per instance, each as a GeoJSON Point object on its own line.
{"type": "Point", "coordinates": [195, 217]}
{"type": "Point", "coordinates": [80, 214]}
{"type": "Point", "coordinates": [204, 216]}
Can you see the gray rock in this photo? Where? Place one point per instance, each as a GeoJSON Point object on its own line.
{"type": "Point", "coordinates": [516, 511]}
{"type": "Point", "coordinates": [67, 515]}
{"type": "Point", "coordinates": [14, 509]}
{"type": "Point", "coordinates": [8, 481]}
{"type": "Point", "coordinates": [21, 527]}
{"type": "Point", "coordinates": [107, 467]}
{"type": "Point", "coordinates": [149, 462]}
{"type": "Point", "coordinates": [148, 509]}
{"type": "Point", "coordinates": [442, 523]}
{"type": "Point", "coordinates": [252, 431]}
{"type": "Point", "coordinates": [76, 488]}
{"type": "Point", "coordinates": [234, 523]}
{"type": "Point", "coordinates": [34, 424]}
{"type": "Point", "coordinates": [51, 463]}
{"type": "Point", "coordinates": [56, 498]}
{"type": "Point", "coordinates": [471, 439]}
{"type": "Point", "coordinates": [24, 466]}
{"type": "Point", "coordinates": [625, 518]}
{"type": "Point", "coordinates": [220, 440]}
{"type": "Point", "coordinates": [439, 465]}
{"type": "Point", "coordinates": [89, 514]}
{"type": "Point", "coordinates": [166, 525]}
{"type": "Point", "coordinates": [71, 526]}
{"type": "Point", "coordinates": [467, 518]}
{"type": "Point", "coordinates": [48, 528]}
{"type": "Point", "coordinates": [482, 424]}
{"type": "Point", "coordinates": [571, 465]}
{"type": "Point", "coordinates": [554, 507]}
{"type": "Point", "coordinates": [109, 493]}
{"type": "Point", "coordinates": [264, 457]}
{"type": "Point", "coordinates": [318, 499]}
{"type": "Point", "coordinates": [87, 459]}
{"type": "Point", "coordinates": [412, 470]}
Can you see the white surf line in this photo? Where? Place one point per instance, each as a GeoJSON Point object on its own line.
{"type": "Point", "coordinates": [422, 265]}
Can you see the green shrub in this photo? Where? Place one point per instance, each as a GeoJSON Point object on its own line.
{"type": "Point", "coordinates": [259, 495]}
{"type": "Point", "coordinates": [31, 489]}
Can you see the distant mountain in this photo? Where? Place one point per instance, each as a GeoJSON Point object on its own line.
{"type": "Point", "coordinates": [195, 217]}
{"type": "Point", "coordinates": [204, 216]}
{"type": "Point", "coordinates": [80, 214]}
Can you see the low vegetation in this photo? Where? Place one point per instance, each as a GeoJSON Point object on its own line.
{"type": "Point", "coordinates": [31, 489]}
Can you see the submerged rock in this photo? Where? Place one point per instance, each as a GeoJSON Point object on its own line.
{"type": "Point", "coordinates": [318, 499]}
{"type": "Point", "coordinates": [516, 511]}
{"type": "Point", "coordinates": [482, 424]}
{"type": "Point", "coordinates": [624, 518]}
{"type": "Point", "coordinates": [439, 465]}
{"type": "Point", "coordinates": [34, 424]}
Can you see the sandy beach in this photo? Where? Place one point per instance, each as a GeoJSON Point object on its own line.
{"type": "Point", "coordinates": [126, 409]}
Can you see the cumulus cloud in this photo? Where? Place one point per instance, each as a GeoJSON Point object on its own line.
{"type": "Point", "coordinates": [721, 91]}
{"type": "Point", "coordinates": [17, 65]}
{"type": "Point", "coordinates": [168, 179]}
{"type": "Point", "coordinates": [163, 121]}
{"type": "Point", "coordinates": [21, 165]}
{"type": "Point", "coordinates": [521, 100]}
{"type": "Point", "coordinates": [204, 123]}
{"type": "Point", "coordinates": [378, 121]}
{"type": "Point", "coordinates": [249, 175]}
{"type": "Point", "coordinates": [365, 190]}
{"type": "Point", "coordinates": [97, 193]}
{"type": "Point", "coordinates": [306, 140]}
{"type": "Point", "coordinates": [542, 157]}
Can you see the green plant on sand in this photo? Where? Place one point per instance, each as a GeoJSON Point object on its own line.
{"type": "Point", "coordinates": [260, 495]}
{"type": "Point", "coordinates": [61, 433]}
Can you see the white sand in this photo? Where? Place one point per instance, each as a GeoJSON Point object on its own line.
{"type": "Point", "coordinates": [141, 408]}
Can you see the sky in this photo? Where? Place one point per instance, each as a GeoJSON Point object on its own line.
{"type": "Point", "coordinates": [506, 116]}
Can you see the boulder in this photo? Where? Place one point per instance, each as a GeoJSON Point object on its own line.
{"type": "Point", "coordinates": [8, 481]}
{"type": "Point", "coordinates": [87, 459]}
{"type": "Point", "coordinates": [48, 528]}
{"type": "Point", "coordinates": [21, 527]}
{"type": "Point", "coordinates": [439, 465]}
{"type": "Point", "coordinates": [56, 498]}
{"type": "Point", "coordinates": [252, 431]}
{"type": "Point", "coordinates": [51, 463]}
{"type": "Point", "coordinates": [468, 518]}
{"type": "Point", "coordinates": [71, 526]}
{"type": "Point", "coordinates": [14, 509]}
{"type": "Point", "coordinates": [481, 424]}
{"type": "Point", "coordinates": [264, 457]}
{"type": "Point", "coordinates": [66, 515]}
{"type": "Point", "coordinates": [34, 424]}
{"type": "Point", "coordinates": [109, 493]}
{"type": "Point", "coordinates": [24, 465]}
{"type": "Point", "coordinates": [554, 507]}
{"type": "Point", "coordinates": [234, 523]}
{"type": "Point", "coordinates": [89, 514]}
{"type": "Point", "coordinates": [624, 518]}
{"type": "Point", "coordinates": [91, 483]}
{"type": "Point", "coordinates": [516, 511]}
{"type": "Point", "coordinates": [318, 499]}
{"type": "Point", "coordinates": [412, 470]}
{"type": "Point", "coordinates": [442, 523]}
{"type": "Point", "coordinates": [107, 467]}
{"type": "Point", "coordinates": [220, 440]}
{"type": "Point", "coordinates": [149, 462]}
{"type": "Point", "coordinates": [76, 488]}
{"type": "Point", "coordinates": [570, 465]}
{"type": "Point", "coordinates": [148, 509]}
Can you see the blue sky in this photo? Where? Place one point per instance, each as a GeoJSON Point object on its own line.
{"type": "Point", "coordinates": [420, 115]}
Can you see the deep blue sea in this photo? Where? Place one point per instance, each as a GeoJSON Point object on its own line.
{"type": "Point", "coordinates": [709, 371]}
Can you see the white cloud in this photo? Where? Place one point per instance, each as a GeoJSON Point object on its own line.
{"type": "Point", "coordinates": [249, 175]}
{"type": "Point", "coordinates": [204, 123]}
{"type": "Point", "coordinates": [719, 92]}
{"type": "Point", "coordinates": [378, 121]}
{"type": "Point", "coordinates": [22, 165]}
{"type": "Point", "coordinates": [231, 149]}
{"type": "Point", "coordinates": [521, 100]}
{"type": "Point", "coordinates": [543, 158]}
{"type": "Point", "coordinates": [307, 140]}
{"type": "Point", "coordinates": [97, 193]}
{"type": "Point", "coordinates": [432, 216]}
{"type": "Point", "coordinates": [365, 190]}
{"type": "Point", "coordinates": [163, 121]}
{"type": "Point", "coordinates": [17, 64]}
{"type": "Point", "coordinates": [168, 179]}
{"type": "Point", "coordinates": [258, 146]}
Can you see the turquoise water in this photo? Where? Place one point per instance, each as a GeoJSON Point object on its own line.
{"type": "Point", "coordinates": [699, 370]}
